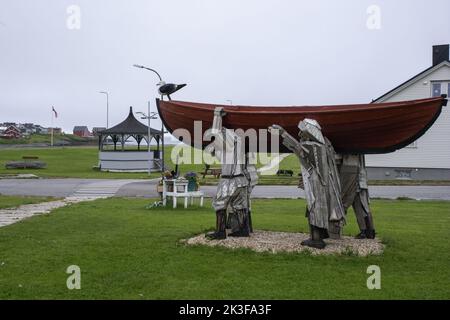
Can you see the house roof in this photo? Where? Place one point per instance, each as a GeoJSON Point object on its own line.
{"type": "Point", "coordinates": [80, 128]}
{"type": "Point", "coordinates": [130, 126]}
{"type": "Point", "coordinates": [412, 80]}
{"type": "Point", "coordinates": [12, 128]}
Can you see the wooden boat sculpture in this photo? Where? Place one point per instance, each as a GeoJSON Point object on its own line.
{"type": "Point", "coordinates": [357, 128]}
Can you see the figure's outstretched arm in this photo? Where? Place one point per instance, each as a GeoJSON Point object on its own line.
{"type": "Point", "coordinates": [288, 140]}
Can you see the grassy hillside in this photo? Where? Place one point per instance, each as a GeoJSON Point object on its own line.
{"type": "Point", "coordinates": [46, 138]}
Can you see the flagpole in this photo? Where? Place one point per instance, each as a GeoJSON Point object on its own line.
{"type": "Point", "coordinates": [51, 137]}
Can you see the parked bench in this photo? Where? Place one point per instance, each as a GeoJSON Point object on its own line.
{"type": "Point", "coordinates": [27, 162]}
{"type": "Point", "coordinates": [25, 165]}
{"type": "Point", "coordinates": [216, 172]}
{"type": "Point", "coordinates": [284, 172]}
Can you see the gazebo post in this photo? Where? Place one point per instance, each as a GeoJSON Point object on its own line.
{"type": "Point", "coordinates": [123, 142]}
{"type": "Point", "coordinates": [115, 139]}
{"type": "Point", "coordinates": [100, 142]}
{"type": "Point", "coordinates": [138, 139]}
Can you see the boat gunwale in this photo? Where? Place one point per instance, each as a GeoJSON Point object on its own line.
{"type": "Point", "coordinates": [306, 109]}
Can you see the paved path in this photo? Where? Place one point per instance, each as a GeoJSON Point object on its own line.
{"type": "Point", "coordinates": [147, 188]}
{"type": "Point", "coordinates": [12, 215]}
{"type": "Point", "coordinates": [78, 192]}
{"type": "Point", "coordinates": [62, 187]}
{"type": "Point", "coordinates": [99, 189]}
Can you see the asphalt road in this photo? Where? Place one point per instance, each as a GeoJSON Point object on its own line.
{"type": "Point", "coordinates": [147, 188]}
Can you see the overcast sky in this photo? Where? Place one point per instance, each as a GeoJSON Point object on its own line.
{"type": "Point", "coordinates": [255, 52]}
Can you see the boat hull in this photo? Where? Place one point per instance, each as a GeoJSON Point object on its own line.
{"type": "Point", "coordinates": [359, 128]}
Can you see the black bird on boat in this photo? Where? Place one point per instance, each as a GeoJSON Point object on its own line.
{"type": "Point", "coordinates": [166, 89]}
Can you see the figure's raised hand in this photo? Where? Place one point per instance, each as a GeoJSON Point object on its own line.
{"type": "Point", "coordinates": [219, 111]}
{"type": "Point", "coordinates": [275, 127]}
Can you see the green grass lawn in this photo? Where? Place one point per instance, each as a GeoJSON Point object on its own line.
{"type": "Point", "coordinates": [126, 251]}
{"type": "Point", "coordinates": [15, 201]}
{"type": "Point", "coordinates": [68, 162]}
{"type": "Point", "coordinates": [78, 162]}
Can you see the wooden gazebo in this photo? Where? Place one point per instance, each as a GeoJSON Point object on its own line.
{"type": "Point", "coordinates": [119, 158]}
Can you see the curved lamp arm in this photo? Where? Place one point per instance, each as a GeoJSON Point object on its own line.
{"type": "Point", "coordinates": [143, 67]}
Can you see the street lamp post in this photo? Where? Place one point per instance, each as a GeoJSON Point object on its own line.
{"type": "Point", "coordinates": [107, 107]}
{"type": "Point", "coordinates": [162, 124]}
{"type": "Point", "coordinates": [148, 116]}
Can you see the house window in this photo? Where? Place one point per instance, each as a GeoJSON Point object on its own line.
{"type": "Point", "coordinates": [436, 89]}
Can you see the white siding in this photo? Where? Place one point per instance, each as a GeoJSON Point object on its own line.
{"type": "Point", "coordinates": [126, 160]}
{"type": "Point", "coordinates": [433, 148]}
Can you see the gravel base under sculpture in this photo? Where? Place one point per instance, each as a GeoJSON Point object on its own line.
{"type": "Point", "coordinates": [271, 241]}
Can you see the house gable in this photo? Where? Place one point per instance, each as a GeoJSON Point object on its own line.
{"type": "Point", "coordinates": [423, 75]}
{"type": "Point", "coordinates": [432, 150]}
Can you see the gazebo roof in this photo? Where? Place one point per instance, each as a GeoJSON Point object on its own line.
{"type": "Point", "coordinates": [130, 126]}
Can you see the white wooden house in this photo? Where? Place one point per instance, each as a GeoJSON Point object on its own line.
{"type": "Point", "coordinates": [428, 158]}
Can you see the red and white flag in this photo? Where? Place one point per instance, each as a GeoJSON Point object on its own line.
{"type": "Point", "coordinates": [56, 113]}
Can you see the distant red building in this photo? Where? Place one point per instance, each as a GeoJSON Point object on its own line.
{"type": "Point", "coordinates": [11, 132]}
{"type": "Point", "coordinates": [81, 131]}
